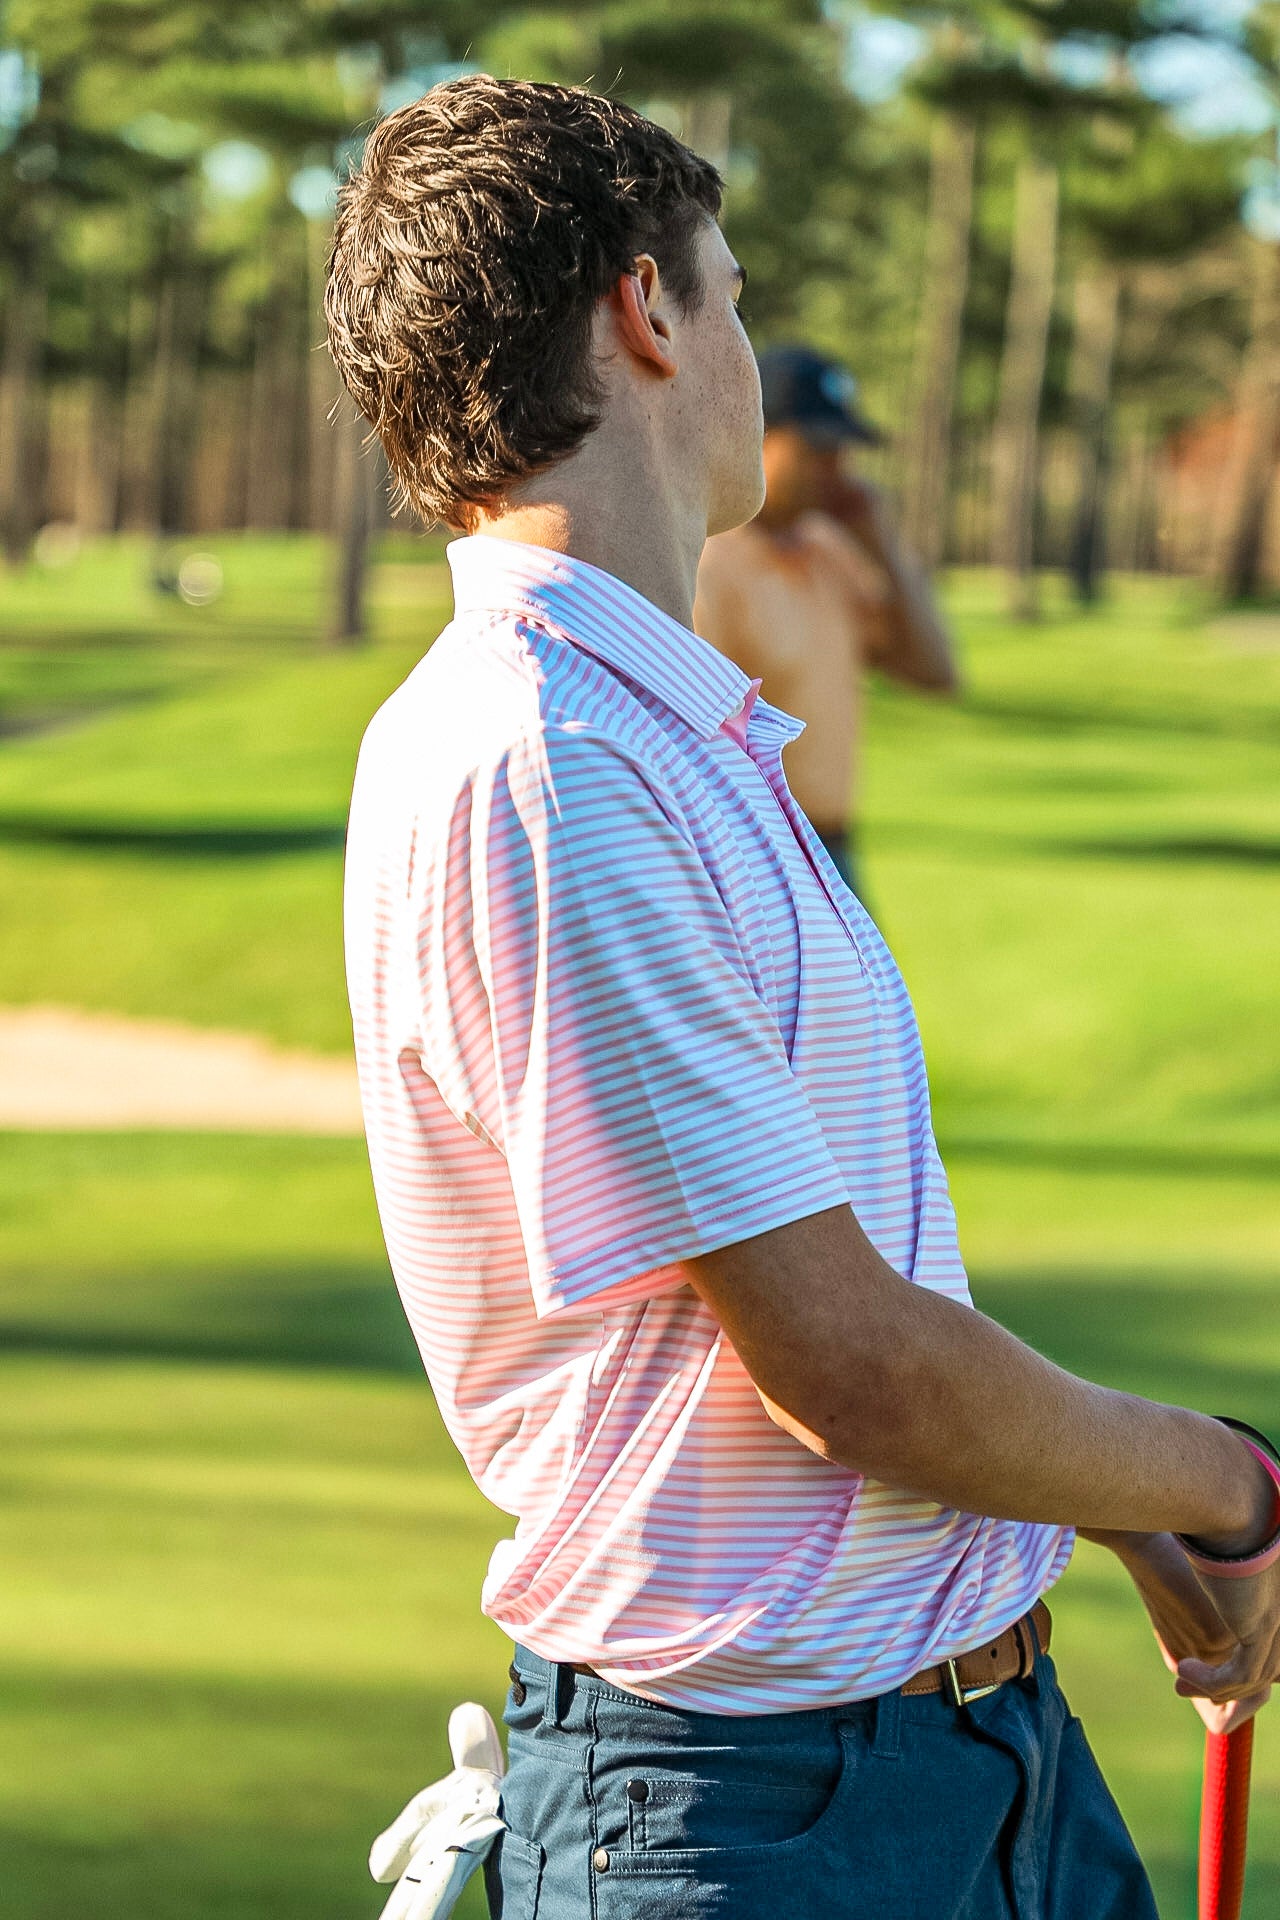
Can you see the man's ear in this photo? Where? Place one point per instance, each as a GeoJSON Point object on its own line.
{"type": "Point", "coordinates": [641, 308]}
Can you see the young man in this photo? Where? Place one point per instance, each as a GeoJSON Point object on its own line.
{"type": "Point", "coordinates": [817, 588]}
{"type": "Point", "coordinates": [650, 1133]}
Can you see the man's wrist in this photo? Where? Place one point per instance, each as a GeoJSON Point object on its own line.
{"type": "Point", "coordinates": [1253, 1546]}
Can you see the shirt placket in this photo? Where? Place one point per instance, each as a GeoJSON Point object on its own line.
{"type": "Point", "coordinates": [765, 753]}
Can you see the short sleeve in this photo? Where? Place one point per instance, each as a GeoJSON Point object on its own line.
{"type": "Point", "coordinates": [586, 1009]}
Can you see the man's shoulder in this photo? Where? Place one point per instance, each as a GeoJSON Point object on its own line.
{"type": "Point", "coordinates": [491, 693]}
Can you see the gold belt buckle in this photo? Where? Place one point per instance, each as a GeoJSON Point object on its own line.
{"type": "Point", "coordinates": [962, 1695]}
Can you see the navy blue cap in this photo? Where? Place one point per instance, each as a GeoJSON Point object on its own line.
{"type": "Point", "coordinates": [804, 389]}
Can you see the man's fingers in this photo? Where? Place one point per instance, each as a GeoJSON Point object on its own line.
{"type": "Point", "coordinates": [1243, 1710]}
{"type": "Point", "coordinates": [1225, 1716]}
{"type": "Point", "coordinates": [1235, 1679]}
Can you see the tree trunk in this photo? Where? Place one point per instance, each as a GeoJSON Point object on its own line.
{"type": "Point", "coordinates": [1093, 357]}
{"type": "Point", "coordinates": [1015, 446]}
{"type": "Point", "coordinates": [926, 489]}
{"type": "Point", "coordinates": [270, 441]}
{"type": "Point", "coordinates": [98, 510]}
{"type": "Point", "coordinates": [174, 397]}
{"type": "Point", "coordinates": [326, 393]}
{"type": "Point", "coordinates": [1251, 473]}
{"type": "Point", "coordinates": [135, 413]}
{"type": "Point", "coordinates": [353, 475]}
{"type": "Point", "coordinates": [706, 123]}
{"type": "Point", "coordinates": [342, 474]}
{"type": "Point", "coordinates": [1133, 504]}
{"type": "Point", "coordinates": [20, 398]}
{"type": "Point", "coordinates": [101, 467]}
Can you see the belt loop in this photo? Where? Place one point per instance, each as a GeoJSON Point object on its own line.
{"type": "Point", "coordinates": [1027, 1646]}
{"type": "Point", "coordinates": [559, 1691]}
{"type": "Point", "coordinates": [885, 1746]}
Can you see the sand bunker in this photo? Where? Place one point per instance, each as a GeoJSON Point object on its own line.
{"type": "Point", "coordinates": [63, 1068]}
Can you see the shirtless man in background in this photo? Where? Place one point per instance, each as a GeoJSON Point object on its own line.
{"type": "Point", "coordinates": [817, 588]}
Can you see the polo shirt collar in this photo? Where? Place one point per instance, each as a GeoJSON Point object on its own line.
{"type": "Point", "coordinates": [607, 618]}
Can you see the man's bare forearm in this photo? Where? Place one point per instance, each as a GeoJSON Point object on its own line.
{"type": "Point", "coordinates": [919, 649]}
{"type": "Point", "coordinates": [928, 1395]}
{"type": "Point", "coordinates": [912, 642]}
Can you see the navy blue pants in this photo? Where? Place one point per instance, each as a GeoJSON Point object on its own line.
{"type": "Point", "coordinates": [890, 1809]}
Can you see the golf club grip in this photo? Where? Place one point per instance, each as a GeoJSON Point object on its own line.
{"type": "Point", "coordinates": [1224, 1822]}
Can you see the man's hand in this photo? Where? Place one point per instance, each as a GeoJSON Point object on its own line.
{"type": "Point", "coordinates": [860, 508]}
{"type": "Point", "coordinates": [1251, 1610]}
{"type": "Point", "coordinates": [1188, 1627]}
{"type": "Point", "coordinates": [902, 629]}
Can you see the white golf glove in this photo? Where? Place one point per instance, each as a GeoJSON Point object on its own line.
{"type": "Point", "coordinates": [434, 1846]}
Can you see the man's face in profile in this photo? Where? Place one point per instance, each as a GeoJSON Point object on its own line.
{"type": "Point", "coordinates": [803, 471]}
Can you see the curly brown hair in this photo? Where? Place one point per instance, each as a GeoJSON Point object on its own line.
{"type": "Point", "coordinates": [472, 244]}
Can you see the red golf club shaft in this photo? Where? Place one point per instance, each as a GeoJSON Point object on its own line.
{"type": "Point", "coordinates": [1224, 1822]}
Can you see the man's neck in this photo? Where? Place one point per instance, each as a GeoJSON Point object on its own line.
{"type": "Point", "coordinates": [662, 574]}
{"type": "Point", "coordinates": [620, 518]}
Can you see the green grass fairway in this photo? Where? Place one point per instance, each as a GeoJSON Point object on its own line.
{"type": "Point", "coordinates": [241, 1558]}
{"type": "Point", "coordinates": [238, 1606]}
{"type": "Point", "coordinates": [242, 1596]}
{"type": "Point", "coordinates": [179, 855]}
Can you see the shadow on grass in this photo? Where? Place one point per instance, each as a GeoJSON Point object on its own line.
{"type": "Point", "coordinates": [1097, 717]}
{"type": "Point", "coordinates": [347, 1317]}
{"type": "Point", "coordinates": [23, 721]}
{"type": "Point", "coordinates": [1209, 1341]}
{"type": "Point", "coordinates": [1220, 849]}
{"type": "Point", "coordinates": [71, 637]}
{"type": "Point", "coordinates": [1111, 1156]}
{"type": "Point", "coordinates": [1185, 849]}
{"type": "Point", "coordinates": [229, 841]}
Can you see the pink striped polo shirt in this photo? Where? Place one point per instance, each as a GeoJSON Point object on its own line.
{"type": "Point", "coordinates": [613, 1008]}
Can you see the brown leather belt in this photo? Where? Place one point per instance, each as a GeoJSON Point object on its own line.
{"type": "Point", "coordinates": [971, 1676]}
{"type": "Point", "coordinates": [1011, 1656]}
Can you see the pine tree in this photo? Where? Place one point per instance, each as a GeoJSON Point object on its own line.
{"type": "Point", "coordinates": [1146, 197]}
{"type": "Point", "coordinates": [1250, 480]}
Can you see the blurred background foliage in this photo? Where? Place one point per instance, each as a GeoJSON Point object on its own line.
{"type": "Point", "coordinates": [1045, 235]}
{"type": "Point", "coordinates": [241, 1557]}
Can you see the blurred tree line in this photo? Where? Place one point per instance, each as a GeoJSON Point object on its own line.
{"type": "Point", "coordinates": [1045, 282]}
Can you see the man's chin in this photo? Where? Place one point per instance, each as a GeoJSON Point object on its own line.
{"type": "Point", "coordinates": [736, 510]}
